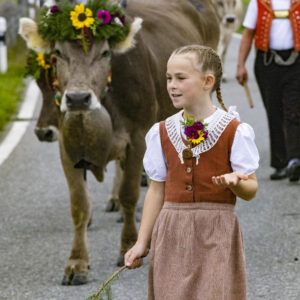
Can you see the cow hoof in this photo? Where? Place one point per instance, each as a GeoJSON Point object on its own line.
{"type": "Point", "coordinates": [144, 180]}
{"type": "Point", "coordinates": [112, 205]}
{"type": "Point", "coordinates": [120, 261]}
{"type": "Point", "coordinates": [79, 279]}
{"type": "Point", "coordinates": [66, 280]}
{"type": "Point", "coordinates": [75, 279]}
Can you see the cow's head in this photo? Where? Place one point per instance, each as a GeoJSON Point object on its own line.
{"type": "Point", "coordinates": [42, 68]}
{"type": "Point", "coordinates": [83, 53]}
{"type": "Point", "coordinates": [227, 10]}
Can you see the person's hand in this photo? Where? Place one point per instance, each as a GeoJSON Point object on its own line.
{"type": "Point", "coordinates": [134, 256]}
{"type": "Point", "coordinates": [241, 75]}
{"type": "Point", "coordinates": [229, 180]}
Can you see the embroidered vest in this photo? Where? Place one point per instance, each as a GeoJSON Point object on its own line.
{"type": "Point", "coordinates": [189, 180]}
{"type": "Point", "coordinates": [264, 21]}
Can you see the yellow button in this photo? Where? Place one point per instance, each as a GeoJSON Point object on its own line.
{"type": "Point", "coordinates": [189, 187]}
{"type": "Point", "coordinates": [189, 170]}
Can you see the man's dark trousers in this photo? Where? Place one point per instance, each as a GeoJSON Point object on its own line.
{"type": "Point", "coordinates": [280, 90]}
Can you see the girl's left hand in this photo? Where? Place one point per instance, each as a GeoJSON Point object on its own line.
{"type": "Point", "coordinates": [229, 180]}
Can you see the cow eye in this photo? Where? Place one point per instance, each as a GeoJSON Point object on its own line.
{"type": "Point", "coordinates": [58, 53]}
{"type": "Point", "coordinates": [220, 3]}
{"type": "Point", "coordinates": [106, 53]}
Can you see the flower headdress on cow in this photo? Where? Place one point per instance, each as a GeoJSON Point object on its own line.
{"type": "Point", "coordinates": [97, 21]}
{"type": "Point", "coordinates": [38, 62]}
{"type": "Point", "coordinates": [43, 64]}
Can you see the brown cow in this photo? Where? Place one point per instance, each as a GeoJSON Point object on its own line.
{"type": "Point", "coordinates": [46, 129]}
{"type": "Point", "coordinates": [94, 130]}
{"type": "Point", "coordinates": [230, 13]}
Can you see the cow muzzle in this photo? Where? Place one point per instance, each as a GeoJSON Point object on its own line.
{"type": "Point", "coordinates": [230, 19]}
{"type": "Point", "coordinates": [78, 101]}
{"type": "Point", "coordinates": [46, 134]}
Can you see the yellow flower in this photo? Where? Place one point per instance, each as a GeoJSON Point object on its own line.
{"type": "Point", "coordinates": [41, 61]}
{"type": "Point", "coordinates": [81, 17]}
{"type": "Point", "coordinates": [199, 139]}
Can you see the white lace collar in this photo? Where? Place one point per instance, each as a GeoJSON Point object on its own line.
{"type": "Point", "coordinates": [218, 121]}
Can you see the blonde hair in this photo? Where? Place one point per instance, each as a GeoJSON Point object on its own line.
{"type": "Point", "coordinates": [208, 60]}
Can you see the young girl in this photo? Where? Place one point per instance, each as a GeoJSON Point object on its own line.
{"type": "Point", "coordinates": [196, 169]}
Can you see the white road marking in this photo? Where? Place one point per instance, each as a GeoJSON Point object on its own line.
{"type": "Point", "coordinates": [19, 127]}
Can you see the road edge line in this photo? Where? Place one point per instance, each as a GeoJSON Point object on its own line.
{"type": "Point", "coordinates": [18, 128]}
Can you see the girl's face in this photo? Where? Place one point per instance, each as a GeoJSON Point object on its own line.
{"type": "Point", "coordinates": [185, 84]}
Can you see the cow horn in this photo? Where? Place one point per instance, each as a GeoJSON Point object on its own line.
{"type": "Point", "coordinates": [123, 3]}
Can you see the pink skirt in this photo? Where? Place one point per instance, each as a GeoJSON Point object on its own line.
{"type": "Point", "coordinates": [197, 253]}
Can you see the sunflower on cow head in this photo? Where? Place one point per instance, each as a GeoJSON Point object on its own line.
{"type": "Point", "coordinates": [82, 17]}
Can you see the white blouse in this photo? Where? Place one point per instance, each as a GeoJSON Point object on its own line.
{"type": "Point", "coordinates": [244, 156]}
{"type": "Point", "coordinates": [281, 34]}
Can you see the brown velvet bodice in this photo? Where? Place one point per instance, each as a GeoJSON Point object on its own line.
{"type": "Point", "coordinates": [191, 182]}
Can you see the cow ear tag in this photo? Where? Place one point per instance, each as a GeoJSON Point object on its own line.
{"type": "Point", "coordinates": [57, 98]}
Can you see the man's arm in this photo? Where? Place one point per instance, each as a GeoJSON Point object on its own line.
{"type": "Point", "coordinates": [245, 47]}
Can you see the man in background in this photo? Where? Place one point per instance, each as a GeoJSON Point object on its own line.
{"type": "Point", "coordinates": [275, 27]}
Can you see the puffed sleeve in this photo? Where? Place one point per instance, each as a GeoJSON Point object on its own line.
{"type": "Point", "coordinates": [154, 160]}
{"type": "Point", "coordinates": [244, 156]}
{"type": "Point", "coordinates": [250, 19]}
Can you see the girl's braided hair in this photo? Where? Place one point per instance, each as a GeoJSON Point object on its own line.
{"type": "Point", "coordinates": [208, 60]}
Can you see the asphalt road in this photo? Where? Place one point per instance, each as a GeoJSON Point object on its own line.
{"type": "Point", "coordinates": [36, 228]}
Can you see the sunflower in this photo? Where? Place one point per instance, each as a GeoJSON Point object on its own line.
{"type": "Point", "coordinates": [41, 61]}
{"type": "Point", "coordinates": [199, 139]}
{"type": "Point", "coordinates": [81, 17]}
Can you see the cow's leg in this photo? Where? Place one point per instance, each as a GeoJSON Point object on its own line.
{"type": "Point", "coordinates": [129, 192]}
{"type": "Point", "coordinates": [225, 38]}
{"type": "Point", "coordinates": [113, 202]}
{"type": "Point", "coordinates": [76, 271]}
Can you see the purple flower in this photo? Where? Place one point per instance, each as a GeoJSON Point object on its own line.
{"type": "Point", "coordinates": [52, 60]}
{"type": "Point", "coordinates": [205, 133]}
{"type": "Point", "coordinates": [104, 16]}
{"type": "Point", "coordinates": [198, 125]}
{"type": "Point", "coordinates": [54, 9]}
{"type": "Point", "coordinates": [191, 132]}
{"type": "Point", "coordinates": [121, 18]}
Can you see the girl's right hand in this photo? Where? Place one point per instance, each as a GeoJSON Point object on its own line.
{"type": "Point", "coordinates": [134, 256]}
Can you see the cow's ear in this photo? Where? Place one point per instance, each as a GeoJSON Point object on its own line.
{"type": "Point", "coordinates": [129, 42]}
{"type": "Point", "coordinates": [29, 31]}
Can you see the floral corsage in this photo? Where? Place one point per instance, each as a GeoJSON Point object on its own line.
{"type": "Point", "coordinates": [195, 131]}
